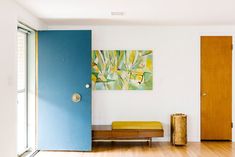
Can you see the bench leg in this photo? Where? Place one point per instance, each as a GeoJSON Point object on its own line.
{"type": "Point", "coordinates": [149, 141]}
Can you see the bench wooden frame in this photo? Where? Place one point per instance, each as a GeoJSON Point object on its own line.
{"type": "Point", "coordinates": [105, 132]}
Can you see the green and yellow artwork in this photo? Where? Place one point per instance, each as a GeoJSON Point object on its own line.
{"type": "Point", "coordinates": [122, 70]}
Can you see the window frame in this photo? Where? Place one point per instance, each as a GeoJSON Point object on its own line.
{"type": "Point", "coordinates": [31, 77]}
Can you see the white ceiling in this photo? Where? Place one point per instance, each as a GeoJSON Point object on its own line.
{"type": "Point", "coordinates": [160, 12]}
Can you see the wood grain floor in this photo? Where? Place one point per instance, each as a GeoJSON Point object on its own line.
{"type": "Point", "coordinates": [158, 149]}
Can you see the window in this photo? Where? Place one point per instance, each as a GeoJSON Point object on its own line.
{"type": "Point", "coordinates": [22, 103]}
{"type": "Point", "coordinates": [26, 108]}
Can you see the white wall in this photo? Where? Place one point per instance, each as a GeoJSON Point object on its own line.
{"type": "Point", "coordinates": [9, 14]}
{"type": "Point", "coordinates": [176, 74]}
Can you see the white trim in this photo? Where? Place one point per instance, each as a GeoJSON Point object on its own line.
{"type": "Point", "coordinates": [23, 152]}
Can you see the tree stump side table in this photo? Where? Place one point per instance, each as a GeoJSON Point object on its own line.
{"type": "Point", "coordinates": [179, 129]}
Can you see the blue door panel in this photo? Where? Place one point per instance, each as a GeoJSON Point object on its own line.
{"type": "Point", "coordinates": [64, 68]}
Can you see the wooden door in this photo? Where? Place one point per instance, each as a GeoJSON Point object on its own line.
{"type": "Point", "coordinates": [216, 88]}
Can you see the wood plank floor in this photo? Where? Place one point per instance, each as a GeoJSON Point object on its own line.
{"type": "Point", "coordinates": [158, 149]}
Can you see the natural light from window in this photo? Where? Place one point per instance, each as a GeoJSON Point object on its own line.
{"type": "Point", "coordinates": [21, 92]}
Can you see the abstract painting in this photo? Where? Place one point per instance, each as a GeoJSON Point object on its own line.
{"type": "Point", "coordinates": [122, 70]}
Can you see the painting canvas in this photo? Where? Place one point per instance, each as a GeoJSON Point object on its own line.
{"type": "Point", "coordinates": [122, 69]}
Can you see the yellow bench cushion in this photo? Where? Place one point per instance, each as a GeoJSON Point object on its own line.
{"type": "Point", "coordinates": [136, 125]}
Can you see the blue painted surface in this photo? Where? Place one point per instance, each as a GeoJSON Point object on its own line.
{"type": "Point", "coordinates": [64, 67]}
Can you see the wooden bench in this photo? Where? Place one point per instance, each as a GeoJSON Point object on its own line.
{"type": "Point", "coordinates": [128, 131]}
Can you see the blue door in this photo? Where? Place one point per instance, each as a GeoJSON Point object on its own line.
{"type": "Point", "coordinates": [64, 95]}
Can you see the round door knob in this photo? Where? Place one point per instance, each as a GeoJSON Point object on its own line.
{"type": "Point", "coordinates": [87, 85]}
{"type": "Point", "coordinates": [76, 97]}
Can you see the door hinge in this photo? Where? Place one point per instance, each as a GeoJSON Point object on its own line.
{"type": "Point", "coordinates": [232, 125]}
{"type": "Point", "coordinates": [232, 46]}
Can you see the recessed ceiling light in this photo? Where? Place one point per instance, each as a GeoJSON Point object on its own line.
{"type": "Point", "coordinates": [117, 13]}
